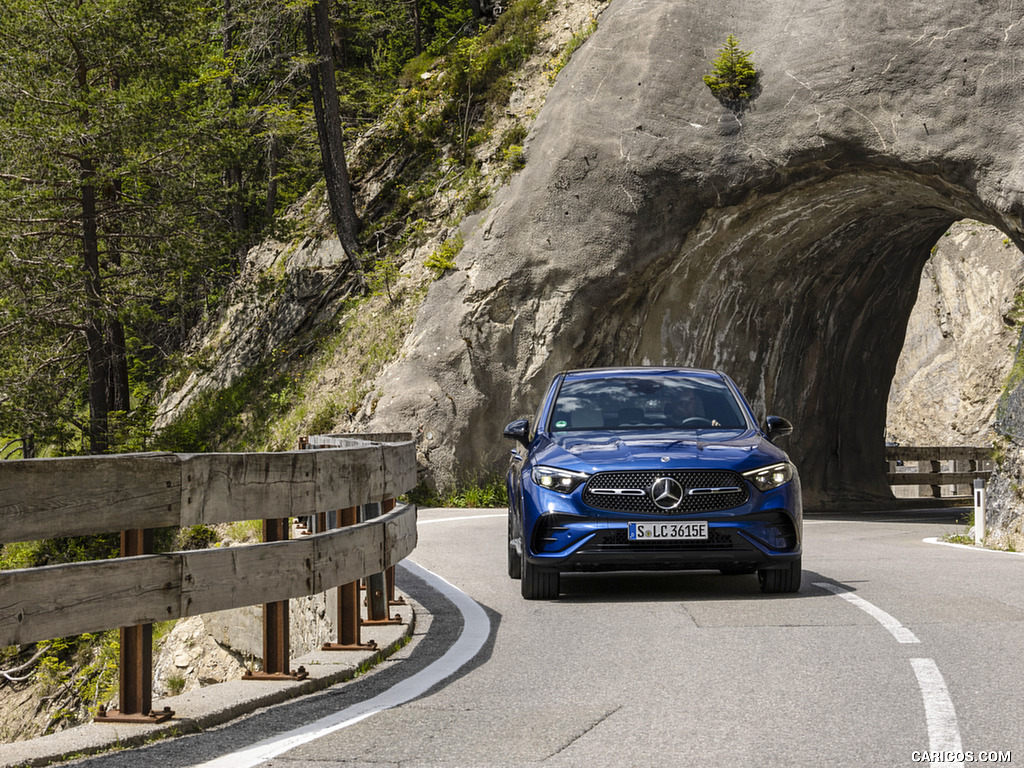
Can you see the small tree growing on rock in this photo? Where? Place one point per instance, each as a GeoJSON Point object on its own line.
{"type": "Point", "coordinates": [733, 75]}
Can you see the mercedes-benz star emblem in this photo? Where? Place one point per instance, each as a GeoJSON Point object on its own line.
{"type": "Point", "coordinates": [666, 493]}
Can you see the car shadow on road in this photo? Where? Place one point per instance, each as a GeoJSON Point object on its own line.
{"type": "Point", "coordinates": [926, 516]}
{"type": "Point", "coordinates": [673, 586]}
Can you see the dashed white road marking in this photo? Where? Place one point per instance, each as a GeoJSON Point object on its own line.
{"type": "Point", "coordinates": [940, 715]}
{"type": "Point", "coordinates": [943, 730]}
{"type": "Point", "coordinates": [897, 630]}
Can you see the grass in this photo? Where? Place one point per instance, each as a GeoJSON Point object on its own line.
{"type": "Point", "coordinates": [470, 494]}
{"type": "Point", "coordinates": [558, 63]}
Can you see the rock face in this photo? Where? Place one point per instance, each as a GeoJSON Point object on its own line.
{"type": "Point", "coordinates": [281, 290]}
{"type": "Point", "coordinates": [782, 242]}
{"type": "Point", "coordinates": [960, 340]}
{"type": "Point", "coordinates": [214, 647]}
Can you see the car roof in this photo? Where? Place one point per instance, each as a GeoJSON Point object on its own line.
{"type": "Point", "coordinates": [641, 370]}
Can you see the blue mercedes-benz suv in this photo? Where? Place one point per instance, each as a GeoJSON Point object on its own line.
{"type": "Point", "coordinates": [640, 468]}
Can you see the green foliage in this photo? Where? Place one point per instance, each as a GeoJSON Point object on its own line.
{"type": "Point", "coordinates": [733, 75]}
{"type": "Point", "coordinates": [196, 123]}
{"type": "Point", "coordinates": [470, 493]}
{"type": "Point", "coordinates": [443, 257]}
{"type": "Point", "coordinates": [513, 159]}
{"type": "Point", "coordinates": [514, 136]}
{"type": "Point", "coordinates": [478, 65]}
{"type": "Point", "coordinates": [109, 196]}
{"type": "Point", "coordinates": [239, 414]}
{"type": "Point", "coordinates": [175, 684]}
{"type": "Point", "coordinates": [325, 417]}
{"type": "Point", "coordinates": [73, 676]}
{"type": "Point", "coordinates": [246, 531]}
{"type": "Point", "coordinates": [383, 276]}
{"type": "Point", "coordinates": [58, 551]}
{"type": "Point", "coordinates": [196, 537]}
{"type": "Point", "coordinates": [578, 39]}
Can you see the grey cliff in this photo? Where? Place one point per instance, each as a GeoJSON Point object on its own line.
{"type": "Point", "coordinates": [781, 241]}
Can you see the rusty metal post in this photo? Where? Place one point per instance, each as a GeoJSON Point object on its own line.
{"type": "Point", "coordinates": [348, 603]}
{"type": "Point", "coordinates": [377, 610]}
{"type": "Point", "coordinates": [276, 646]}
{"type": "Point", "coordinates": [135, 663]}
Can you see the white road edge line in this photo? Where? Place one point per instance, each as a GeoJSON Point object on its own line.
{"type": "Point", "coordinates": [897, 630]}
{"type": "Point", "coordinates": [457, 519]}
{"type": "Point", "coordinates": [943, 731]}
{"type": "Point", "coordinates": [476, 629]}
{"type": "Point", "coordinates": [972, 547]}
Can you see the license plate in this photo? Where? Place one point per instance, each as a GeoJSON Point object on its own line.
{"type": "Point", "coordinates": [690, 530]}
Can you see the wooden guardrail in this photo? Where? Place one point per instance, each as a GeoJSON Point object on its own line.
{"type": "Point", "coordinates": [967, 464]}
{"type": "Point", "coordinates": [133, 493]}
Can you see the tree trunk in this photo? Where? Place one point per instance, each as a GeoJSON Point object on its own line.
{"type": "Point", "coordinates": [234, 174]}
{"type": "Point", "coordinates": [273, 154]}
{"type": "Point", "coordinates": [96, 348]}
{"type": "Point", "coordinates": [118, 385]}
{"type": "Point", "coordinates": [418, 44]}
{"type": "Point", "coordinates": [328, 119]}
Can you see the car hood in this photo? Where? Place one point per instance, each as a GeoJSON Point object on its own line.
{"type": "Point", "coordinates": [595, 451]}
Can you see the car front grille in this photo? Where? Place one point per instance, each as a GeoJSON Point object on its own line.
{"type": "Point", "coordinates": [630, 492]}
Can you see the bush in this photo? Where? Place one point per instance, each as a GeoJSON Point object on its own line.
{"type": "Point", "coordinates": [733, 75]}
{"type": "Point", "coordinates": [443, 259]}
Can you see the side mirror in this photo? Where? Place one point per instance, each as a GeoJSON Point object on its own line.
{"type": "Point", "coordinates": [518, 430]}
{"type": "Point", "coordinates": [776, 427]}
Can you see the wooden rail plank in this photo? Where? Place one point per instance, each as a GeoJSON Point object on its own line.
{"type": "Point", "coordinates": [349, 477]}
{"type": "Point", "coordinates": [59, 601]}
{"type": "Point", "coordinates": [935, 478]}
{"type": "Point", "coordinates": [399, 469]}
{"type": "Point", "coordinates": [43, 498]}
{"type": "Point", "coordinates": [366, 554]}
{"type": "Point", "coordinates": [217, 487]}
{"type": "Point", "coordinates": [62, 600]}
{"type": "Point", "coordinates": [231, 577]}
{"type": "Point", "coordinates": [936, 453]}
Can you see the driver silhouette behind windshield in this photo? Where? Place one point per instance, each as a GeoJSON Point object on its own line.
{"type": "Point", "coordinates": [688, 406]}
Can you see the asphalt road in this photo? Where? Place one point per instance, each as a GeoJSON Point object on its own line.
{"type": "Point", "coordinates": [894, 652]}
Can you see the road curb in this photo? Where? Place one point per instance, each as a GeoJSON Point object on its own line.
{"type": "Point", "coordinates": [217, 704]}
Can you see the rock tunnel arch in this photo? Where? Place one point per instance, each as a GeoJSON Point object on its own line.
{"type": "Point", "coordinates": [783, 245]}
{"type": "Point", "coordinates": [804, 296]}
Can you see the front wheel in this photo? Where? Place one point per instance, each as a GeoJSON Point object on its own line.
{"type": "Point", "coordinates": [781, 580]}
{"type": "Point", "coordinates": [539, 583]}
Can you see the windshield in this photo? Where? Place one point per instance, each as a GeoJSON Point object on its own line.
{"type": "Point", "coordinates": [645, 402]}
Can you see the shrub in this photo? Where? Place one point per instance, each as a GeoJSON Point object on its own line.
{"type": "Point", "coordinates": [733, 75]}
{"type": "Point", "coordinates": [443, 259]}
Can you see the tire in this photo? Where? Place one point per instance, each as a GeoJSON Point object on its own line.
{"type": "Point", "coordinates": [781, 580]}
{"type": "Point", "coordinates": [515, 560]}
{"type": "Point", "coordinates": [539, 583]}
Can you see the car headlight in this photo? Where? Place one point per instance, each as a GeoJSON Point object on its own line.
{"type": "Point", "coordinates": [771, 476]}
{"type": "Point", "coordinates": [561, 480]}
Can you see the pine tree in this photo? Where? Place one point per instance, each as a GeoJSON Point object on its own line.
{"type": "Point", "coordinates": [733, 75]}
{"type": "Point", "coordinates": [103, 197]}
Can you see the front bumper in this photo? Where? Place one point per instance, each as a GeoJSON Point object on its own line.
{"type": "Point", "coordinates": [597, 545]}
{"type": "Point", "coordinates": [560, 532]}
